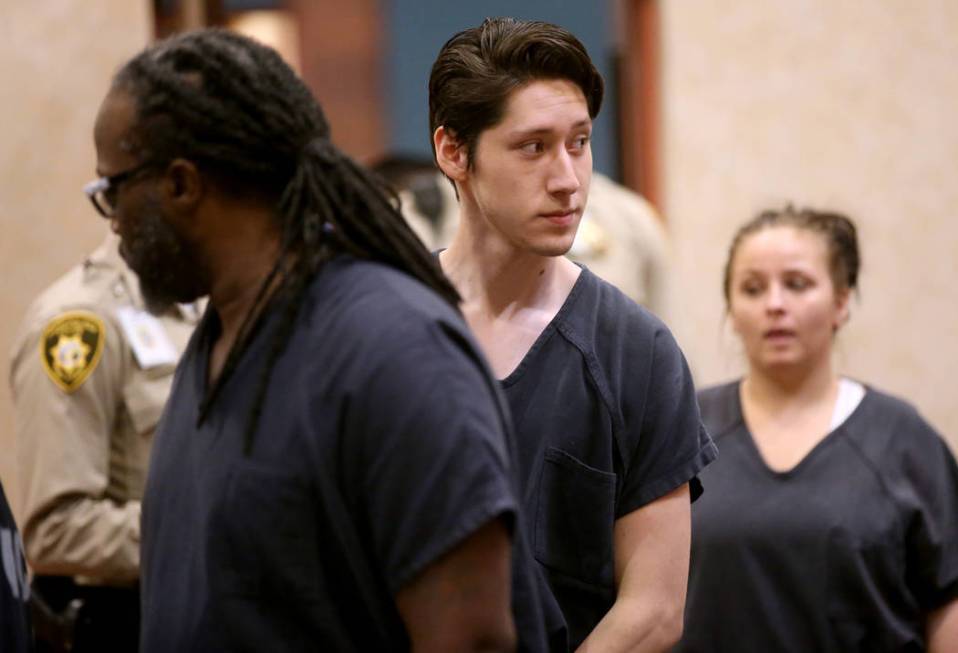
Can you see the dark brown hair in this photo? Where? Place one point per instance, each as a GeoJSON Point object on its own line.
{"type": "Point", "coordinates": [477, 70]}
{"type": "Point", "coordinates": [839, 233]}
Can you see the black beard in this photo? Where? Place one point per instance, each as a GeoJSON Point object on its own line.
{"type": "Point", "coordinates": [167, 267]}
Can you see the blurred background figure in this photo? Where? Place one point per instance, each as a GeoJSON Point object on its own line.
{"type": "Point", "coordinates": [620, 237]}
{"type": "Point", "coordinates": [831, 517]}
{"type": "Point", "coordinates": [428, 201]}
{"type": "Point", "coordinates": [16, 634]}
{"type": "Point", "coordinates": [90, 373]}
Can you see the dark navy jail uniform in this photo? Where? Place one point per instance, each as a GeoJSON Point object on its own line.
{"type": "Point", "coordinates": [606, 422]}
{"type": "Point", "coordinates": [380, 448]}
{"type": "Point", "coordinates": [16, 635]}
{"type": "Point", "coordinates": [846, 552]}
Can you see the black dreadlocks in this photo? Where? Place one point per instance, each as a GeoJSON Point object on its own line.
{"type": "Point", "coordinates": [232, 106]}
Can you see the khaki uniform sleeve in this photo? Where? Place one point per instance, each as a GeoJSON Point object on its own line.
{"type": "Point", "coordinates": [623, 241]}
{"type": "Point", "coordinates": [70, 524]}
{"type": "Point", "coordinates": [656, 262]}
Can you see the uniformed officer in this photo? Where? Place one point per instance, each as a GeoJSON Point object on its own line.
{"type": "Point", "coordinates": [620, 237]}
{"type": "Point", "coordinates": [90, 373]}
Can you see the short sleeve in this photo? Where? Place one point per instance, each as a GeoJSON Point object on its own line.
{"type": "Point", "coordinates": [932, 528]}
{"type": "Point", "coordinates": [434, 459]}
{"type": "Point", "coordinates": [65, 413]}
{"type": "Point", "coordinates": [672, 445]}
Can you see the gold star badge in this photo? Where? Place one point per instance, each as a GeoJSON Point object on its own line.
{"type": "Point", "coordinates": [70, 348]}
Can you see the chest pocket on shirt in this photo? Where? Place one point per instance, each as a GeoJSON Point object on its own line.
{"type": "Point", "coordinates": [262, 542]}
{"type": "Point", "coordinates": [145, 396]}
{"type": "Point", "coordinates": [574, 519]}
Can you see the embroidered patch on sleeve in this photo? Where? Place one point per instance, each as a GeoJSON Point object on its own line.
{"type": "Point", "coordinates": [70, 348]}
{"type": "Point", "coordinates": [591, 240]}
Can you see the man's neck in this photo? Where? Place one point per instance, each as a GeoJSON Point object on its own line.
{"type": "Point", "coordinates": [509, 295]}
{"type": "Point", "coordinates": [498, 278]}
{"type": "Point", "coordinates": [240, 257]}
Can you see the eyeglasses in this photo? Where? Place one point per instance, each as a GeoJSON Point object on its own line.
{"type": "Point", "coordinates": [102, 192]}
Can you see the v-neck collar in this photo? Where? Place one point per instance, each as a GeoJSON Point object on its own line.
{"type": "Point", "coordinates": [581, 281]}
{"type": "Point", "coordinates": [806, 460]}
{"type": "Point", "coordinates": [209, 329]}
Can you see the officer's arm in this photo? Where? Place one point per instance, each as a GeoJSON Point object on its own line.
{"type": "Point", "coordinates": [651, 571]}
{"type": "Point", "coordinates": [461, 602]}
{"type": "Point", "coordinates": [70, 526]}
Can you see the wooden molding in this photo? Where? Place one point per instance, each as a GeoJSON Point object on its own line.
{"type": "Point", "coordinates": [640, 107]}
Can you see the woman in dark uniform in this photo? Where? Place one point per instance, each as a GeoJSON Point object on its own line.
{"type": "Point", "coordinates": [831, 521]}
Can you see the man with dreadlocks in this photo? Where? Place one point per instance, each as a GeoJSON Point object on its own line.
{"type": "Point", "coordinates": [331, 471]}
{"type": "Point", "coordinates": [608, 429]}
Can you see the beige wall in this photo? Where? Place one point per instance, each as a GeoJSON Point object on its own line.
{"type": "Point", "coordinates": [832, 103]}
{"type": "Point", "coordinates": [56, 60]}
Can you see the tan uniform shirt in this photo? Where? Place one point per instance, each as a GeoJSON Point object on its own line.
{"type": "Point", "coordinates": [620, 239]}
{"type": "Point", "coordinates": [90, 373]}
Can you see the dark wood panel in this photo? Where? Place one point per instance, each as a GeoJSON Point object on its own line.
{"type": "Point", "coordinates": [341, 46]}
{"type": "Point", "coordinates": [640, 100]}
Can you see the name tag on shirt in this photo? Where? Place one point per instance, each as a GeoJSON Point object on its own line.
{"type": "Point", "coordinates": [147, 338]}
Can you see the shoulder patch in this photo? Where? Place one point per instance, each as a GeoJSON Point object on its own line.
{"type": "Point", "coordinates": [591, 241]}
{"type": "Point", "coordinates": [70, 348]}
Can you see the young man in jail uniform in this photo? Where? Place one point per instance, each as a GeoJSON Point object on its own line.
{"type": "Point", "coordinates": [609, 438]}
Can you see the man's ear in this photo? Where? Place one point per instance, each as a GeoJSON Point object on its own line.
{"type": "Point", "coordinates": [451, 155]}
{"type": "Point", "coordinates": [182, 185]}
